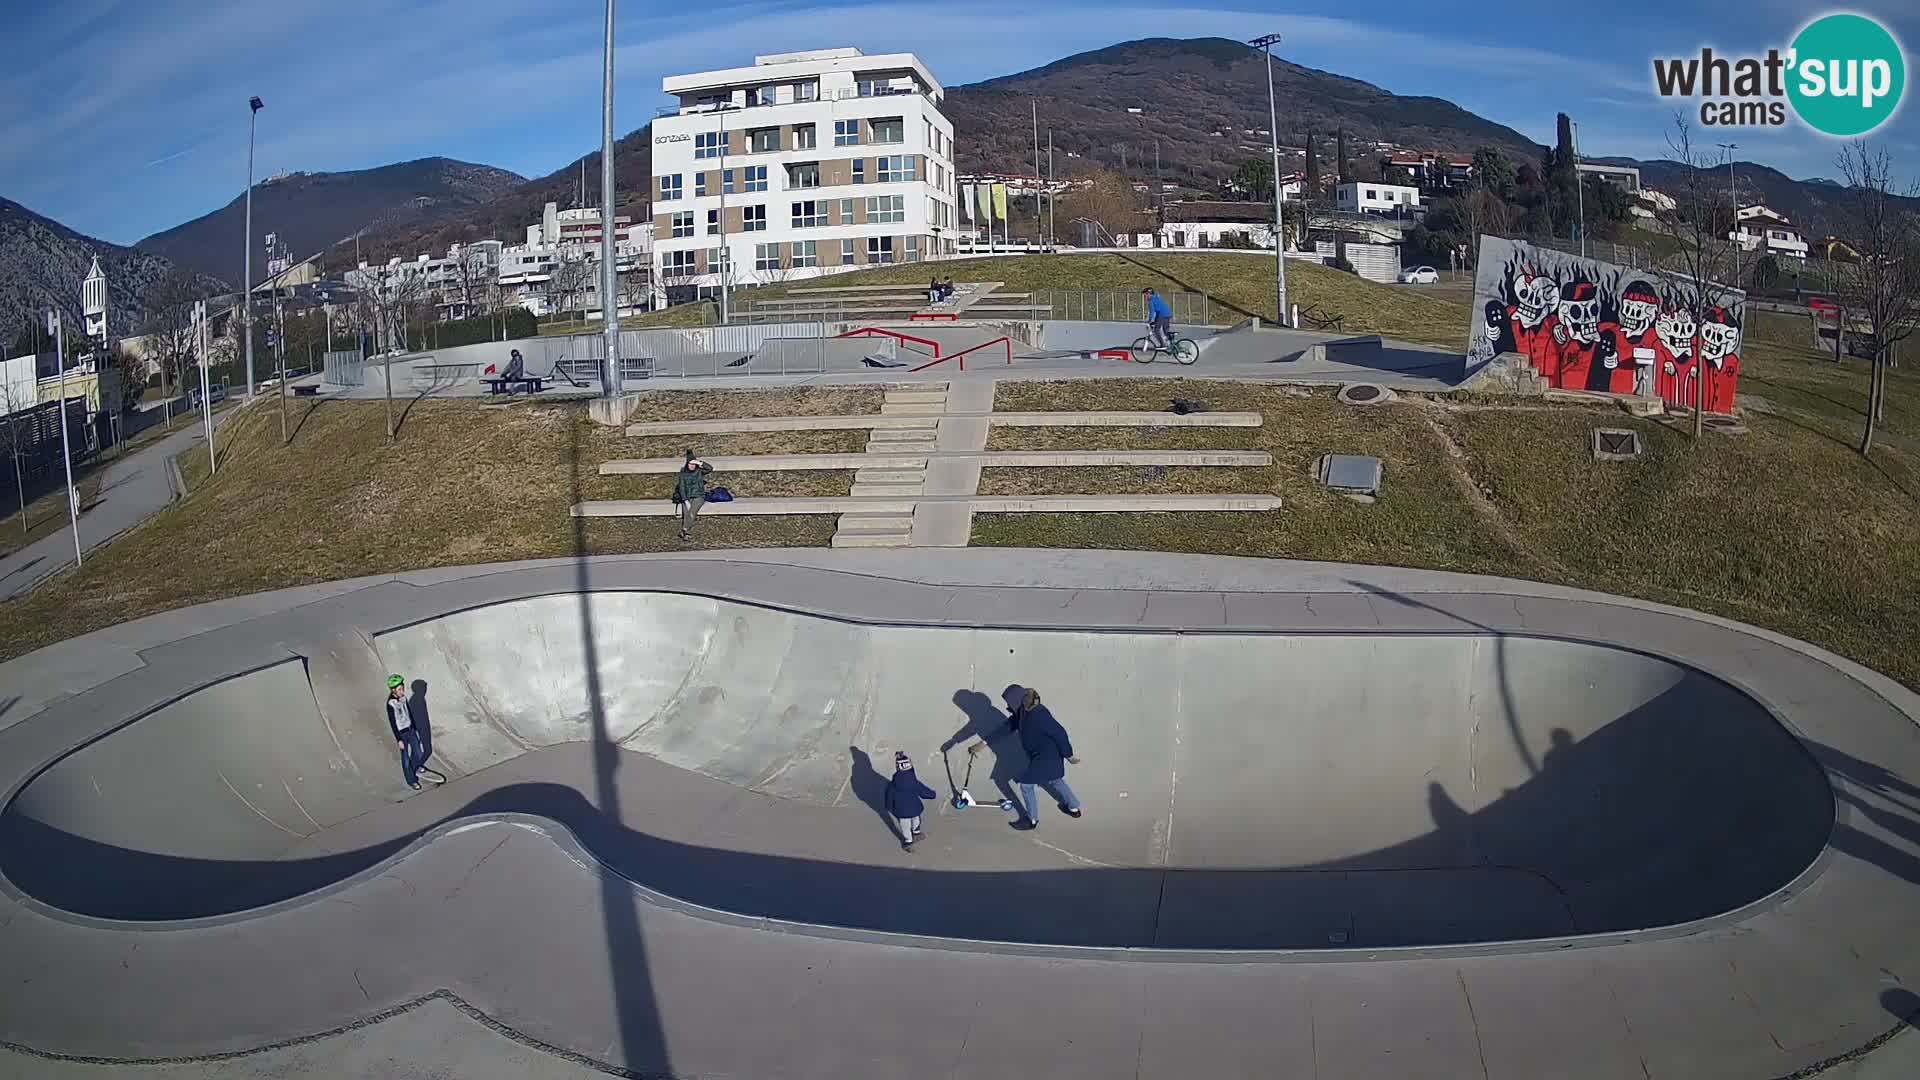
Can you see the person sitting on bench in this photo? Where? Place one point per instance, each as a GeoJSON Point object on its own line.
{"type": "Point", "coordinates": [516, 367]}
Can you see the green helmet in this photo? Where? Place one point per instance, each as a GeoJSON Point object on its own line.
{"type": "Point", "coordinates": [395, 682]}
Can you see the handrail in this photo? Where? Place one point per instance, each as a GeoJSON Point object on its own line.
{"type": "Point", "coordinates": [878, 331]}
{"type": "Point", "coordinates": [962, 354]}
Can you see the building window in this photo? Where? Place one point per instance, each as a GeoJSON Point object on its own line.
{"type": "Point", "coordinates": [846, 133]}
{"type": "Point", "coordinates": [887, 210]}
{"type": "Point", "coordinates": [898, 167]}
{"type": "Point", "coordinates": [879, 249]}
{"type": "Point", "coordinates": [699, 184]}
{"type": "Point", "coordinates": [708, 144]}
{"type": "Point", "coordinates": [913, 250]}
{"type": "Point", "coordinates": [803, 137]}
{"type": "Point", "coordinates": [683, 223]}
{"type": "Point", "coordinates": [677, 264]}
{"type": "Point", "coordinates": [805, 253]}
{"type": "Point", "coordinates": [872, 87]}
{"type": "Point", "coordinates": [767, 256]}
{"type": "Point", "coordinates": [859, 170]}
{"type": "Point", "coordinates": [811, 214]}
{"type": "Point", "coordinates": [846, 211]}
{"type": "Point", "coordinates": [890, 129]}
{"type": "Point", "coordinates": [804, 176]}
{"type": "Point", "coordinates": [933, 144]}
{"type": "Point", "coordinates": [726, 182]}
{"type": "Point", "coordinates": [670, 187]}
{"type": "Point", "coordinates": [806, 91]}
{"type": "Point", "coordinates": [754, 178]}
{"type": "Point", "coordinates": [753, 219]}
{"type": "Point", "coordinates": [713, 222]}
{"type": "Point", "coordinates": [760, 95]}
{"type": "Point", "coordinates": [718, 260]}
{"type": "Point", "coordinates": [763, 140]}
{"type": "Point", "coordinates": [846, 252]}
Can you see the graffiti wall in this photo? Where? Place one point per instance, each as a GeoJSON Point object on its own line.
{"type": "Point", "coordinates": [1590, 325]}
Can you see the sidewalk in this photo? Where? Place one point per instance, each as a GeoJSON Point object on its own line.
{"type": "Point", "coordinates": [132, 489]}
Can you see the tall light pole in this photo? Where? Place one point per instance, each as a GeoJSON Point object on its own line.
{"type": "Point", "coordinates": [608, 274]}
{"type": "Point", "coordinates": [1733, 207]}
{"type": "Point", "coordinates": [1265, 44]}
{"type": "Point", "coordinates": [726, 257]}
{"type": "Point", "coordinates": [1579, 188]}
{"type": "Point", "coordinates": [254, 105]}
{"type": "Point", "coordinates": [66, 453]}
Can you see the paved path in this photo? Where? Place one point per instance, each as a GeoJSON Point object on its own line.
{"type": "Point", "coordinates": [495, 913]}
{"type": "Point", "coordinates": [133, 489]}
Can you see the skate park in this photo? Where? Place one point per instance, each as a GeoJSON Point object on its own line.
{"type": "Point", "coordinates": [1371, 821]}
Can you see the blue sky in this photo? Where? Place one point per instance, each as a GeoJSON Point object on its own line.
{"type": "Point", "coordinates": [124, 117]}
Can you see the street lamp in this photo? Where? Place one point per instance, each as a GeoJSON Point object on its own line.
{"type": "Point", "coordinates": [1265, 43]}
{"type": "Point", "coordinates": [254, 105]}
{"type": "Point", "coordinates": [1733, 204]}
{"type": "Point", "coordinates": [609, 283]}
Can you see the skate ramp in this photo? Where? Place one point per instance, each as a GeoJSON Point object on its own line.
{"type": "Point", "coordinates": [1261, 790]}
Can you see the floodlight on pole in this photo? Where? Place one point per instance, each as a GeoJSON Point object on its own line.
{"type": "Point", "coordinates": [66, 452]}
{"type": "Point", "coordinates": [1733, 206]}
{"type": "Point", "coordinates": [1265, 43]}
{"type": "Point", "coordinates": [254, 105]}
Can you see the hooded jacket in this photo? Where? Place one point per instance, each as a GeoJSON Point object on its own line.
{"type": "Point", "coordinates": [1045, 742]}
{"type": "Point", "coordinates": [904, 795]}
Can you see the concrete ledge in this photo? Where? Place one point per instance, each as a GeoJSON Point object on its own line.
{"type": "Point", "coordinates": [979, 504]}
{"type": "Point", "coordinates": [878, 422]}
{"type": "Point", "coordinates": [1021, 459]}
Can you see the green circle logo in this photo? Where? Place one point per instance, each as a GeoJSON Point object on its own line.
{"type": "Point", "coordinates": [1847, 74]}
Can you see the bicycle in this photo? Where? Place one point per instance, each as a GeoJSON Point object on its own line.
{"type": "Point", "coordinates": [1183, 350]}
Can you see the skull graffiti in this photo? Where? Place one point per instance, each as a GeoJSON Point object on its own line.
{"type": "Point", "coordinates": [1675, 328]}
{"type": "Point", "coordinates": [1580, 311]}
{"type": "Point", "coordinates": [1718, 336]}
{"type": "Point", "coordinates": [1639, 305]}
{"type": "Point", "coordinates": [1534, 297]}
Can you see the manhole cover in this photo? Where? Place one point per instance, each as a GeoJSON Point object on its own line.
{"type": "Point", "coordinates": [1351, 474]}
{"type": "Point", "coordinates": [1364, 394]}
{"type": "Point", "coordinates": [1616, 444]}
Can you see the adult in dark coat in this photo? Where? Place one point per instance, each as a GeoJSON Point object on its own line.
{"type": "Point", "coordinates": [1049, 752]}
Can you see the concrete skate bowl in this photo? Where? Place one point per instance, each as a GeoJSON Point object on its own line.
{"type": "Point", "coordinates": [1245, 791]}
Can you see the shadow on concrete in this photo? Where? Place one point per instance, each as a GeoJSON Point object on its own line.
{"type": "Point", "coordinates": [1903, 1005]}
{"type": "Point", "coordinates": [987, 724]}
{"type": "Point", "coordinates": [870, 787]}
{"type": "Point", "coordinates": [643, 1042]}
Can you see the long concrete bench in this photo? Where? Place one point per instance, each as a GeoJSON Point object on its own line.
{"type": "Point", "coordinates": [877, 422]}
{"type": "Point", "coordinates": [992, 459]}
{"type": "Point", "coordinates": [980, 504]}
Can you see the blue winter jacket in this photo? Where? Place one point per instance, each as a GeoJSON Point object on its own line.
{"type": "Point", "coordinates": [904, 793]}
{"type": "Point", "coordinates": [1045, 742]}
{"type": "Point", "coordinates": [1157, 308]}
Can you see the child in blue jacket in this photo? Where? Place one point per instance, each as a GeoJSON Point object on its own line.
{"type": "Point", "coordinates": [905, 793]}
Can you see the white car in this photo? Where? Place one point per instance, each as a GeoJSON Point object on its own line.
{"type": "Point", "coordinates": [1419, 275]}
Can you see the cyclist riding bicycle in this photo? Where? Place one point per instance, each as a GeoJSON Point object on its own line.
{"type": "Point", "coordinates": [1159, 317]}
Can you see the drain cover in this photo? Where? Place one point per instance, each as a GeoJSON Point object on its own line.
{"type": "Point", "coordinates": [1356, 474]}
{"type": "Point", "coordinates": [1364, 394]}
{"type": "Point", "coordinates": [1616, 444]}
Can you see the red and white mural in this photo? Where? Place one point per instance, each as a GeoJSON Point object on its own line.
{"type": "Point", "coordinates": [1590, 325]}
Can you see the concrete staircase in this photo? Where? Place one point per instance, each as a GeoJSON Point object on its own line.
{"type": "Point", "coordinates": [912, 400]}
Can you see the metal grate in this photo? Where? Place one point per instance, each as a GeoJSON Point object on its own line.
{"type": "Point", "coordinates": [1616, 444]}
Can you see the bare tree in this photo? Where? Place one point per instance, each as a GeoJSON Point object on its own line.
{"type": "Point", "coordinates": [393, 293]}
{"type": "Point", "coordinates": [567, 282]}
{"type": "Point", "coordinates": [474, 277]}
{"type": "Point", "coordinates": [168, 324]}
{"type": "Point", "coordinates": [1705, 253]}
{"type": "Point", "coordinates": [1883, 285]}
{"type": "Point", "coordinates": [13, 438]}
{"type": "Point", "coordinates": [635, 288]}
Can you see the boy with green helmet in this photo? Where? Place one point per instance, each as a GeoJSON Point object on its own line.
{"type": "Point", "coordinates": [400, 720]}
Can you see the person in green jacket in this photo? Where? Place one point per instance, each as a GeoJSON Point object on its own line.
{"type": "Point", "coordinates": [690, 491]}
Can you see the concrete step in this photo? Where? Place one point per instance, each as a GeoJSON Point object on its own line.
{"type": "Point", "coordinates": [890, 476]}
{"type": "Point", "coordinates": [916, 397]}
{"type": "Point", "coordinates": [931, 408]}
{"type": "Point", "coordinates": [876, 523]}
{"type": "Point", "coordinates": [887, 491]}
{"type": "Point", "coordinates": [873, 540]}
{"type": "Point", "coordinates": [886, 440]}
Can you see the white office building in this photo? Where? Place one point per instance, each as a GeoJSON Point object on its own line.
{"type": "Point", "coordinates": [1373, 198]}
{"type": "Point", "coordinates": [806, 163]}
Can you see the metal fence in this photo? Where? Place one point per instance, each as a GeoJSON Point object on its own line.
{"type": "Point", "coordinates": [1119, 305]}
{"type": "Point", "coordinates": [1636, 258]}
{"type": "Point", "coordinates": [702, 351]}
{"type": "Point", "coordinates": [345, 368]}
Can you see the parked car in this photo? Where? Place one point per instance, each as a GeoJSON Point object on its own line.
{"type": "Point", "coordinates": [1823, 307]}
{"type": "Point", "coordinates": [1419, 275]}
{"type": "Point", "coordinates": [216, 394]}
